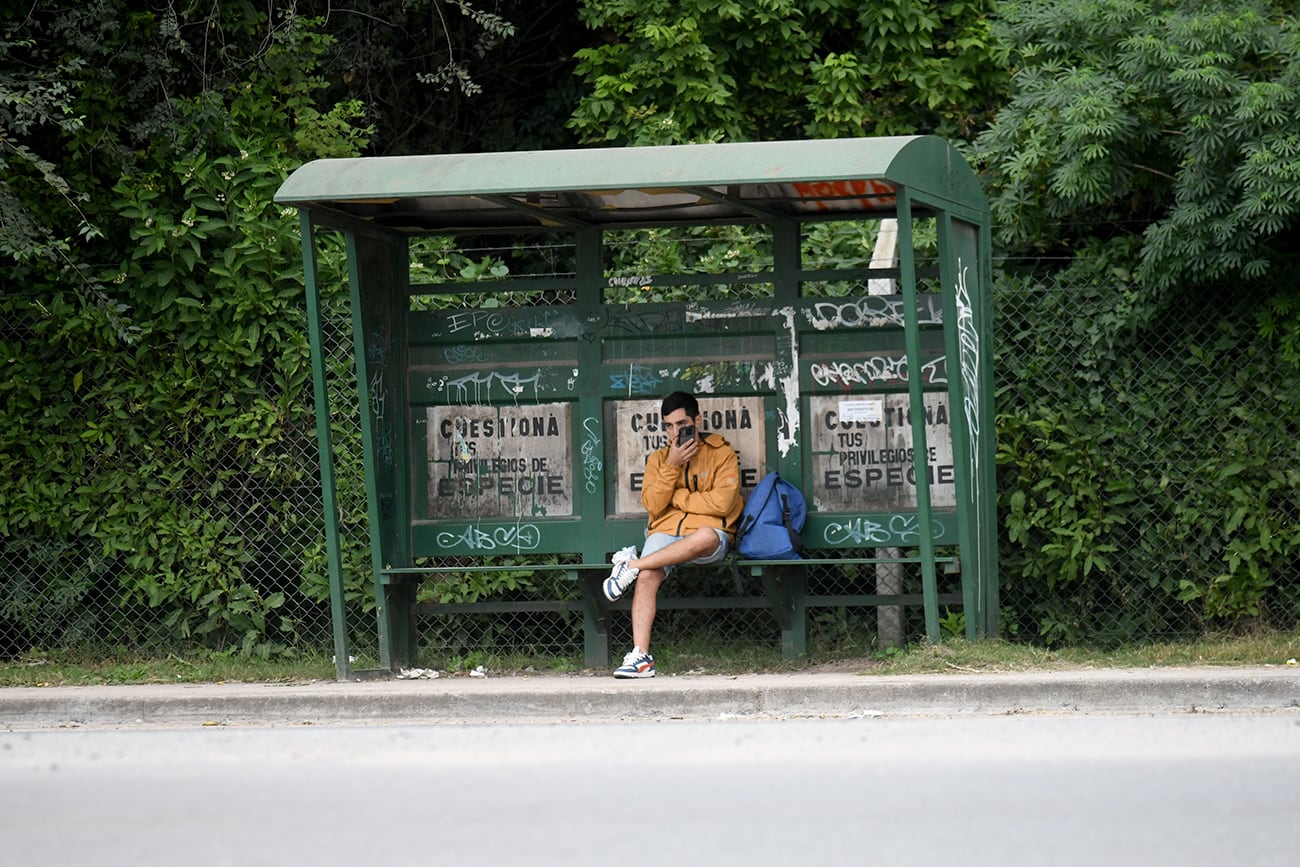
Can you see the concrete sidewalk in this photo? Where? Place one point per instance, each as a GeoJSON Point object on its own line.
{"type": "Point", "coordinates": [558, 698]}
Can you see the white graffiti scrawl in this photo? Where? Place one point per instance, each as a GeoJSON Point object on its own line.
{"type": "Point", "coordinates": [873, 311]}
{"type": "Point", "coordinates": [478, 387]}
{"type": "Point", "coordinates": [968, 340]}
{"type": "Point", "coordinates": [883, 368]}
{"type": "Point", "coordinates": [592, 466]}
{"type": "Point", "coordinates": [899, 529]}
{"type": "Point", "coordinates": [522, 537]}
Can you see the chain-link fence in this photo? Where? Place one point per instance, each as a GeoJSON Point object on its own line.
{"type": "Point", "coordinates": [1148, 460]}
{"type": "Point", "coordinates": [1147, 485]}
{"type": "Point", "coordinates": [104, 487]}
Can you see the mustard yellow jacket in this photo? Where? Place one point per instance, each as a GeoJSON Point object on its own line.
{"type": "Point", "coordinates": [703, 493]}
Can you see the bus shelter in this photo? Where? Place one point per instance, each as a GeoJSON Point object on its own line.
{"type": "Point", "coordinates": [519, 428]}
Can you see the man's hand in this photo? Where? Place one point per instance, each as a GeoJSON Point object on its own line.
{"type": "Point", "coordinates": [680, 453]}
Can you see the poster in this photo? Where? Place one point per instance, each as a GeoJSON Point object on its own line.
{"type": "Point", "coordinates": [500, 461]}
{"type": "Point", "coordinates": [861, 464]}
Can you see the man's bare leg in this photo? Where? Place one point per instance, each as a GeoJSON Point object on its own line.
{"type": "Point", "coordinates": [650, 576]}
{"type": "Point", "coordinates": [700, 543]}
{"type": "Point", "coordinates": [644, 596]}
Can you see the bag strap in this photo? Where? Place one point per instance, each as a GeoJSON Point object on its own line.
{"type": "Point", "coordinates": [796, 538]}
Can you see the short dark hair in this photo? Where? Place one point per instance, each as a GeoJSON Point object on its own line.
{"type": "Point", "coordinates": [679, 400]}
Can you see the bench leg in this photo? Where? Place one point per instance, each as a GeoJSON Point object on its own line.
{"type": "Point", "coordinates": [787, 591]}
{"type": "Point", "coordinates": [399, 626]}
{"type": "Point", "coordinates": [595, 624]}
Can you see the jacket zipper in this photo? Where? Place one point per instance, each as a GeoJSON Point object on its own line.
{"type": "Point", "coordinates": [686, 478]}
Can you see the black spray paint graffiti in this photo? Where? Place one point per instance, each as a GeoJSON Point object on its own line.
{"type": "Point", "coordinates": [376, 360]}
{"type": "Point", "coordinates": [464, 355]}
{"type": "Point", "coordinates": [637, 322]}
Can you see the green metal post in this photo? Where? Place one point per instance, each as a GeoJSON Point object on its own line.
{"type": "Point", "coordinates": [396, 426]}
{"type": "Point", "coordinates": [590, 436]}
{"type": "Point", "coordinates": [386, 656]}
{"type": "Point", "coordinates": [787, 265]}
{"type": "Point", "coordinates": [916, 402]}
{"type": "Point", "coordinates": [952, 278]}
{"type": "Point", "coordinates": [986, 455]}
{"type": "Point", "coordinates": [325, 446]}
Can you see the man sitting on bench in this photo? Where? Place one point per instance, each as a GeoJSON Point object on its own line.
{"type": "Point", "coordinates": [691, 493]}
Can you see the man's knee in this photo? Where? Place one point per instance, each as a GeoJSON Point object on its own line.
{"type": "Point", "coordinates": [650, 579]}
{"type": "Point", "coordinates": [708, 540]}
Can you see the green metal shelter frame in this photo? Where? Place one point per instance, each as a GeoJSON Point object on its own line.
{"type": "Point", "coordinates": [381, 203]}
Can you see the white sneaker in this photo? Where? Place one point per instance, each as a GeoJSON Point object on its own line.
{"type": "Point", "coordinates": [636, 664]}
{"type": "Point", "coordinates": [622, 575]}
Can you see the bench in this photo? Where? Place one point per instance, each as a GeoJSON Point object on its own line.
{"type": "Point", "coordinates": [783, 582]}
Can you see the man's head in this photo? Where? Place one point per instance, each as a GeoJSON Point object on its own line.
{"type": "Point", "coordinates": [679, 412]}
{"type": "Point", "coordinates": [679, 400]}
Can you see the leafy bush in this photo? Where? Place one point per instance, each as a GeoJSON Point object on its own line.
{"type": "Point", "coordinates": [1147, 470]}
{"type": "Point", "coordinates": [157, 456]}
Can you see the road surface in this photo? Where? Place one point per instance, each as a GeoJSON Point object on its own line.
{"type": "Point", "coordinates": [1188, 789]}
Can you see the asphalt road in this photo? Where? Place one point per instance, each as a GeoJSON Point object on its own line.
{"type": "Point", "coordinates": [1184, 789]}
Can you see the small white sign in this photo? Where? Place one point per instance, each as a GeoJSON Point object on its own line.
{"type": "Point", "coordinates": [872, 411]}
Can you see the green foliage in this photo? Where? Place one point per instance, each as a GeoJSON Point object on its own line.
{"type": "Point", "coordinates": [44, 223]}
{"type": "Point", "coordinates": [144, 453]}
{"type": "Point", "coordinates": [222, 288]}
{"type": "Point", "coordinates": [1170, 122]}
{"type": "Point", "coordinates": [1152, 490]}
{"type": "Point", "coordinates": [671, 72]}
{"type": "Point", "coordinates": [953, 624]}
{"type": "Point", "coordinates": [1279, 324]}
{"type": "Point", "coordinates": [455, 73]}
{"type": "Point", "coordinates": [698, 250]}
{"type": "Point", "coordinates": [452, 585]}
{"type": "Point", "coordinates": [451, 76]}
{"type": "Point", "coordinates": [1155, 143]}
{"type": "Point", "coordinates": [440, 259]}
{"type": "Point", "coordinates": [466, 636]}
{"type": "Point", "coordinates": [1061, 514]}
{"type": "Point", "coordinates": [738, 249]}
{"type": "Point", "coordinates": [1239, 528]}
{"type": "Point", "coordinates": [29, 100]}
{"type": "Point", "coordinates": [156, 405]}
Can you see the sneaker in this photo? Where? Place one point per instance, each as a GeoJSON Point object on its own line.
{"type": "Point", "coordinates": [636, 664]}
{"type": "Point", "coordinates": [622, 575]}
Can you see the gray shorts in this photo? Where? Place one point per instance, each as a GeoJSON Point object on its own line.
{"type": "Point", "coordinates": [656, 541]}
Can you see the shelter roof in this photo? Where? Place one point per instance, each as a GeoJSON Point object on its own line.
{"type": "Point", "coordinates": [726, 182]}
